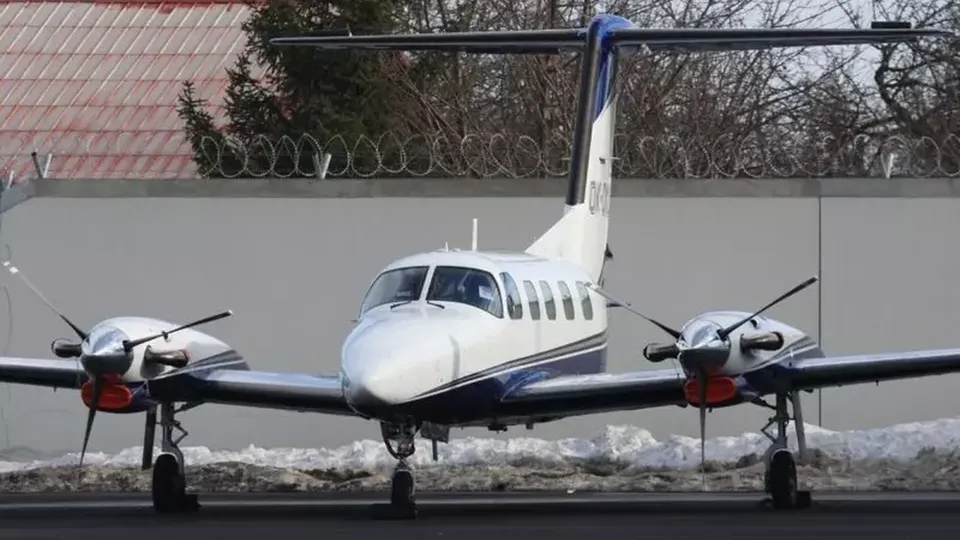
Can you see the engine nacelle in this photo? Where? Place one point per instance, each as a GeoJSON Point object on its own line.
{"type": "Point", "coordinates": [767, 341]}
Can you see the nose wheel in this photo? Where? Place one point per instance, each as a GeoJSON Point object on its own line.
{"type": "Point", "coordinates": [402, 491]}
{"type": "Point", "coordinates": [399, 439]}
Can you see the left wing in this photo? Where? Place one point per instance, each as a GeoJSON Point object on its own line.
{"type": "Point", "coordinates": [588, 394]}
{"type": "Point", "coordinates": [813, 373]}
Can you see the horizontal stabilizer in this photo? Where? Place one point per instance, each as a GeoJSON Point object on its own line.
{"type": "Point", "coordinates": [517, 42]}
{"type": "Point", "coordinates": [675, 40]}
{"type": "Point", "coordinates": [698, 40]}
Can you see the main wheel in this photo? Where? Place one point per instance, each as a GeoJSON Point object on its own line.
{"type": "Point", "coordinates": [402, 493]}
{"type": "Point", "coordinates": [169, 488]}
{"type": "Point", "coordinates": [783, 480]}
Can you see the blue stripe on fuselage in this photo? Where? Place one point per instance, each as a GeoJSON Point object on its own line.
{"type": "Point", "coordinates": [476, 400]}
{"type": "Point", "coordinates": [605, 84]}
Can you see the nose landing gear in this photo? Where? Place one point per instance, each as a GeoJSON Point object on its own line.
{"type": "Point", "coordinates": [399, 439]}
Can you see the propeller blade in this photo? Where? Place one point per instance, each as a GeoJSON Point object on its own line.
{"type": "Point", "coordinates": [95, 402]}
{"type": "Point", "coordinates": [130, 344]}
{"type": "Point", "coordinates": [704, 381]}
{"type": "Point", "coordinates": [17, 273]}
{"type": "Point", "coordinates": [673, 333]}
{"type": "Point", "coordinates": [726, 331]}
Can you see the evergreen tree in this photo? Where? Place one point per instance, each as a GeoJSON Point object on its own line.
{"type": "Point", "coordinates": [304, 90]}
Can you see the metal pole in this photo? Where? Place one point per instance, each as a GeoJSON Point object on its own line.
{"type": "Point", "coordinates": [820, 290]}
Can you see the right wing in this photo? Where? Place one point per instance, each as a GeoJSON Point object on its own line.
{"type": "Point", "coordinates": [261, 389]}
{"type": "Point", "coordinates": [43, 372]}
{"type": "Point", "coordinates": [199, 383]}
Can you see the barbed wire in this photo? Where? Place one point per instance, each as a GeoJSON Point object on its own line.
{"type": "Point", "coordinates": [488, 155]}
{"type": "Point", "coordinates": [497, 155]}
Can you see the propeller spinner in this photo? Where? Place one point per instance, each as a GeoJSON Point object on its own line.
{"type": "Point", "coordinates": [707, 350]}
{"type": "Point", "coordinates": [105, 354]}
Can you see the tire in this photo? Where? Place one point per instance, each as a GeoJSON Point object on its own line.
{"type": "Point", "coordinates": [783, 480]}
{"type": "Point", "coordinates": [168, 487]}
{"type": "Point", "coordinates": [401, 490]}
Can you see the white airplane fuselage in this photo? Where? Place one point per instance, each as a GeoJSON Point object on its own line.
{"type": "Point", "coordinates": [450, 361]}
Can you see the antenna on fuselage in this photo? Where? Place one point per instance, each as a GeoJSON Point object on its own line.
{"type": "Point", "coordinates": [473, 244]}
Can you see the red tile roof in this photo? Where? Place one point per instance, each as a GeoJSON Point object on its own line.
{"type": "Point", "coordinates": [96, 83]}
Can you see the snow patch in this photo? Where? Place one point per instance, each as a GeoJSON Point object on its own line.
{"type": "Point", "coordinates": [630, 445]}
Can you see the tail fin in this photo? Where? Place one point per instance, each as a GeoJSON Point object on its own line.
{"type": "Point", "coordinates": [580, 236]}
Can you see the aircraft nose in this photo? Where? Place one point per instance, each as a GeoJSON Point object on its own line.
{"type": "Point", "coordinates": [371, 390]}
{"type": "Point", "coordinates": [391, 364]}
{"type": "Point", "coordinates": [376, 367]}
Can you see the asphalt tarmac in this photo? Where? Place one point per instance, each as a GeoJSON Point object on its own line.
{"type": "Point", "coordinates": [495, 516]}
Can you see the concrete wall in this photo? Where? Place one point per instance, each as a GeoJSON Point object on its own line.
{"type": "Point", "coordinates": [294, 271]}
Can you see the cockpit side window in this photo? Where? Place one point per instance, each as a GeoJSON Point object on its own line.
{"type": "Point", "coordinates": [466, 286]}
{"type": "Point", "coordinates": [514, 302]}
{"type": "Point", "coordinates": [399, 285]}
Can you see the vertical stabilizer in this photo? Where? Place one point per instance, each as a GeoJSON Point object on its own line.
{"type": "Point", "coordinates": [580, 236]}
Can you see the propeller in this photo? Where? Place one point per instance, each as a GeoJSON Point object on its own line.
{"type": "Point", "coordinates": [675, 333]}
{"type": "Point", "coordinates": [16, 273]}
{"type": "Point", "coordinates": [115, 362]}
{"type": "Point", "coordinates": [709, 353]}
{"type": "Point", "coordinates": [728, 330]}
{"type": "Point", "coordinates": [106, 363]}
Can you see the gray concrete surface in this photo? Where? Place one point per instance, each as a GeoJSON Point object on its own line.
{"type": "Point", "coordinates": [555, 516]}
{"type": "Point", "coordinates": [498, 187]}
{"type": "Point", "coordinates": [294, 271]}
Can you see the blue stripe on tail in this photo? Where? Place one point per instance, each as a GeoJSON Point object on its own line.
{"type": "Point", "coordinates": [605, 83]}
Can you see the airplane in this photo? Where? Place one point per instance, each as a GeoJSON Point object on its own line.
{"type": "Point", "coordinates": [471, 338]}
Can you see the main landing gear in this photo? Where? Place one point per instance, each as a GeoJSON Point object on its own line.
{"type": "Point", "coordinates": [780, 478]}
{"type": "Point", "coordinates": [399, 439]}
{"type": "Point", "coordinates": [169, 483]}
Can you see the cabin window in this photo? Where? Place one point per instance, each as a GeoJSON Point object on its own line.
{"type": "Point", "coordinates": [585, 303]}
{"type": "Point", "coordinates": [399, 285]}
{"type": "Point", "coordinates": [533, 299]}
{"type": "Point", "coordinates": [548, 302]}
{"type": "Point", "coordinates": [566, 299]}
{"type": "Point", "coordinates": [468, 286]}
{"type": "Point", "coordinates": [514, 301]}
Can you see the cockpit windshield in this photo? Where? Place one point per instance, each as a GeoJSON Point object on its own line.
{"type": "Point", "coordinates": [400, 285]}
{"type": "Point", "coordinates": [466, 286]}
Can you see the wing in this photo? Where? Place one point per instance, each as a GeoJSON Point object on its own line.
{"type": "Point", "coordinates": [587, 394]}
{"type": "Point", "coordinates": [290, 391]}
{"type": "Point", "coordinates": [44, 372]}
{"type": "Point", "coordinates": [809, 374]}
